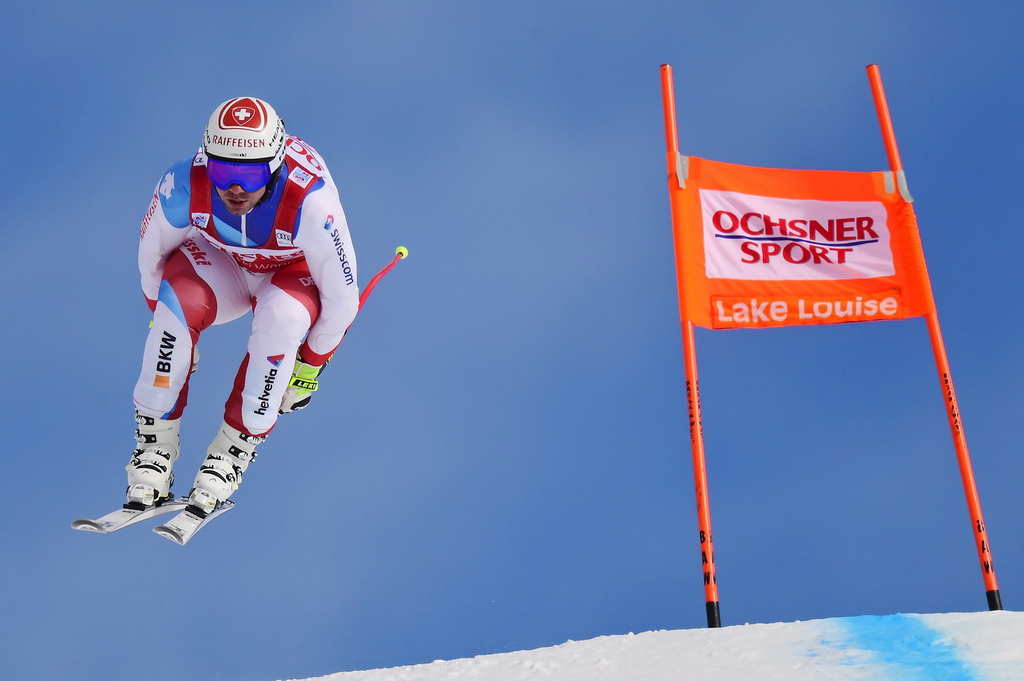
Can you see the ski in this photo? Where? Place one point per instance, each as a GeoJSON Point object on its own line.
{"type": "Point", "coordinates": [125, 516]}
{"type": "Point", "coordinates": [186, 524]}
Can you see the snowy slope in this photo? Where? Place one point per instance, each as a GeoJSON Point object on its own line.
{"type": "Point", "coordinates": [985, 646]}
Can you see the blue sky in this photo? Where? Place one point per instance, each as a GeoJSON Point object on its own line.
{"type": "Point", "coordinates": [498, 457]}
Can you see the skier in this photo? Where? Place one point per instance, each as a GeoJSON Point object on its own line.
{"type": "Point", "coordinates": [251, 222]}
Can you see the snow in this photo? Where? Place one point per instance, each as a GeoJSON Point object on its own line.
{"type": "Point", "coordinates": [983, 646]}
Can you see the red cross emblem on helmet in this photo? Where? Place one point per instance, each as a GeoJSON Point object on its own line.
{"type": "Point", "coordinates": [245, 113]}
{"type": "Point", "coordinates": [241, 114]}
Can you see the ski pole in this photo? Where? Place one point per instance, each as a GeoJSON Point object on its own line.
{"type": "Point", "coordinates": [401, 253]}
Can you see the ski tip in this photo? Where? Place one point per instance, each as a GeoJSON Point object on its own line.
{"type": "Point", "coordinates": [188, 522]}
{"type": "Point", "coordinates": [87, 524]}
{"type": "Point", "coordinates": [169, 533]}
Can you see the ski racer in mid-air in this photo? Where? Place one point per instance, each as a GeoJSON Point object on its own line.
{"type": "Point", "coordinates": [251, 222]}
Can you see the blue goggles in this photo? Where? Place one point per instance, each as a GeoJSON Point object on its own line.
{"type": "Point", "coordinates": [251, 176]}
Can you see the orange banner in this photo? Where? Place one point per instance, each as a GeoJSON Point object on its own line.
{"type": "Point", "coordinates": [763, 247]}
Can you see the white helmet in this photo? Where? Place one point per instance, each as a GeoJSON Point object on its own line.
{"type": "Point", "coordinates": [245, 130]}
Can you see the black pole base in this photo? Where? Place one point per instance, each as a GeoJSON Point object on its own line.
{"type": "Point", "coordinates": [994, 601]}
{"type": "Point", "coordinates": [715, 617]}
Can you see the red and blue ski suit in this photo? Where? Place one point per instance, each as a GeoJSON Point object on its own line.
{"type": "Point", "coordinates": [290, 260]}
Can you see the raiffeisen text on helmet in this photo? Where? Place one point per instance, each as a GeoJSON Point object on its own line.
{"type": "Point", "coordinates": [237, 142]}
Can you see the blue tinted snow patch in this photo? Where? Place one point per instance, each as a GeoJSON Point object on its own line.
{"type": "Point", "coordinates": [910, 649]}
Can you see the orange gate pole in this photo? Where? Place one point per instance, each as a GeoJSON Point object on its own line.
{"type": "Point", "coordinates": [942, 365]}
{"type": "Point", "coordinates": [690, 361]}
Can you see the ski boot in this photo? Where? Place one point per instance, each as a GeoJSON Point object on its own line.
{"type": "Point", "coordinates": [221, 473]}
{"type": "Point", "coordinates": [150, 471]}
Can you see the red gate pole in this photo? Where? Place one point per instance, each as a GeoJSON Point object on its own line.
{"type": "Point", "coordinates": [942, 365]}
{"type": "Point", "coordinates": [707, 550]}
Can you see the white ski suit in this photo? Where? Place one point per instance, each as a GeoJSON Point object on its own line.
{"type": "Point", "coordinates": [290, 260]}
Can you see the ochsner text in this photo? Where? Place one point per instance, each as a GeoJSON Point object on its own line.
{"type": "Point", "coordinates": [770, 239]}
